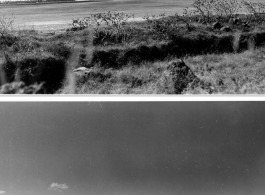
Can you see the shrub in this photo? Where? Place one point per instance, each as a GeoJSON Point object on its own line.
{"type": "Point", "coordinates": [210, 10]}
{"type": "Point", "coordinates": [79, 24]}
{"type": "Point", "coordinates": [8, 68]}
{"type": "Point", "coordinates": [116, 20]}
{"type": "Point", "coordinates": [105, 25]}
{"type": "Point", "coordinates": [59, 49]}
{"type": "Point", "coordinates": [161, 26]}
{"type": "Point", "coordinates": [25, 45]}
{"type": "Point", "coordinates": [256, 11]}
{"type": "Point", "coordinates": [226, 9]}
{"type": "Point", "coordinates": [108, 37]}
{"type": "Point", "coordinates": [6, 38]}
{"type": "Point", "coordinates": [189, 16]}
{"type": "Point", "coordinates": [21, 88]}
{"type": "Point", "coordinates": [32, 68]}
{"type": "Point", "coordinates": [204, 8]}
{"type": "Point", "coordinates": [6, 25]}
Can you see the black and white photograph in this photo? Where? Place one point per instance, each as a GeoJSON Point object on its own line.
{"type": "Point", "coordinates": [132, 148]}
{"type": "Point", "coordinates": [166, 47]}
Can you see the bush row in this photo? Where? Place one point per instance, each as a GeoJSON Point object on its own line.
{"type": "Point", "coordinates": [179, 47]}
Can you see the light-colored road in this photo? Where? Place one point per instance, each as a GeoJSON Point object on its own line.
{"type": "Point", "coordinates": [56, 16]}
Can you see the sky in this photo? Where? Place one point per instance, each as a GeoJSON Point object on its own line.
{"type": "Point", "coordinates": [132, 148]}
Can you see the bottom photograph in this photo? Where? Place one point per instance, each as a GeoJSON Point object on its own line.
{"type": "Point", "coordinates": [132, 148]}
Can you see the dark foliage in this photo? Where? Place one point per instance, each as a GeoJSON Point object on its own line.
{"type": "Point", "coordinates": [21, 88]}
{"type": "Point", "coordinates": [107, 37]}
{"type": "Point", "coordinates": [9, 68]}
{"type": "Point", "coordinates": [7, 40]}
{"type": "Point", "coordinates": [182, 76]}
{"type": "Point", "coordinates": [59, 49]}
{"type": "Point", "coordinates": [249, 40]}
{"type": "Point", "coordinates": [180, 46]}
{"type": "Point", "coordinates": [30, 70]}
{"type": "Point", "coordinates": [106, 58]}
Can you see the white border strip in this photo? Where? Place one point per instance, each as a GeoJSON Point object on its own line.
{"type": "Point", "coordinates": [123, 98]}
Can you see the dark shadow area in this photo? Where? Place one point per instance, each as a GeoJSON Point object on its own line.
{"type": "Point", "coordinates": [179, 47]}
{"type": "Point", "coordinates": [49, 70]}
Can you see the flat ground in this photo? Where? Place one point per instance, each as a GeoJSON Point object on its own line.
{"type": "Point", "coordinates": [57, 16]}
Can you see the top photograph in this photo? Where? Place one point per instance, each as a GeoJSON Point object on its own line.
{"type": "Point", "coordinates": [166, 47]}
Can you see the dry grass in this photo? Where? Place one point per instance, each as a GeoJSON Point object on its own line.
{"type": "Point", "coordinates": [148, 78]}
{"type": "Point", "coordinates": [242, 73]}
{"type": "Point", "coordinates": [140, 65]}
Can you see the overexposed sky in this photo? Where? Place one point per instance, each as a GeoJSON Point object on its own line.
{"type": "Point", "coordinates": [123, 148]}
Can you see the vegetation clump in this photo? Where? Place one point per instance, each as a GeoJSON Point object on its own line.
{"type": "Point", "coordinates": [31, 59]}
{"type": "Point", "coordinates": [21, 88]}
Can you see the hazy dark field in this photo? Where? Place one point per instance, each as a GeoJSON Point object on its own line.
{"type": "Point", "coordinates": [134, 148]}
{"type": "Point", "coordinates": [57, 16]}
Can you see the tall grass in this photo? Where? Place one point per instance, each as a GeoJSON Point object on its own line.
{"type": "Point", "coordinates": [2, 72]}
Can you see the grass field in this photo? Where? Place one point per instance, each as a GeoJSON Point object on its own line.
{"type": "Point", "coordinates": [134, 57]}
